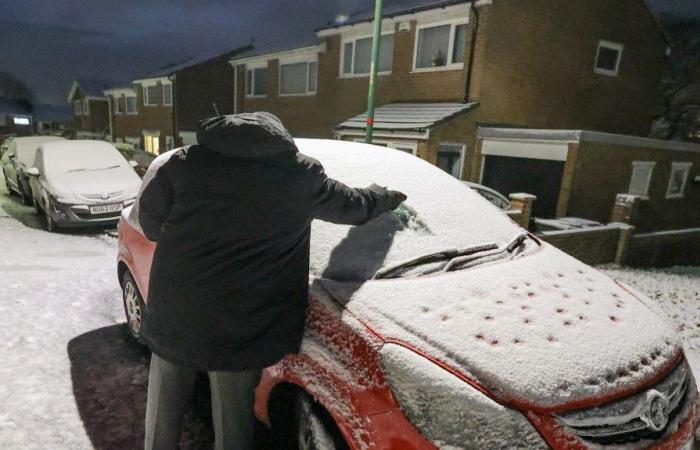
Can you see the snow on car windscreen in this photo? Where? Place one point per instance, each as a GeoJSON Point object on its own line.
{"type": "Point", "coordinates": [83, 156]}
{"type": "Point", "coordinates": [440, 213]}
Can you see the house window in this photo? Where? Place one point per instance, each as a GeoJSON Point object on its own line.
{"type": "Point", "coordinates": [168, 94]}
{"type": "Point", "coordinates": [169, 143]}
{"type": "Point", "coordinates": [440, 46]}
{"type": "Point", "coordinates": [86, 107]}
{"type": "Point", "coordinates": [256, 81]}
{"type": "Point", "coordinates": [678, 179]}
{"type": "Point", "coordinates": [607, 60]}
{"type": "Point", "coordinates": [119, 105]}
{"type": "Point", "coordinates": [151, 144]}
{"type": "Point", "coordinates": [450, 159]}
{"type": "Point", "coordinates": [150, 95]}
{"type": "Point", "coordinates": [78, 107]}
{"type": "Point", "coordinates": [298, 78]}
{"type": "Point", "coordinates": [20, 120]}
{"type": "Point", "coordinates": [641, 178]}
{"type": "Point", "coordinates": [188, 137]}
{"type": "Point", "coordinates": [357, 55]}
{"type": "Point", "coordinates": [131, 105]}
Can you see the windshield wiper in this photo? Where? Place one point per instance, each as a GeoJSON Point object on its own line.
{"type": "Point", "coordinates": [92, 170]}
{"type": "Point", "coordinates": [465, 261]}
{"type": "Point", "coordinates": [445, 255]}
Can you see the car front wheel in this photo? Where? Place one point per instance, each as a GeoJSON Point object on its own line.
{"type": "Point", "coordinates": [50, 223]}
{"type": "Point", "coordinates": [133, 305]}
{"type": "Point", "coordinates": [315, 428]}
{"type": "Point", "coordinates": [7, 183]}
{"type": "Point", "coordinates": [26, 197]}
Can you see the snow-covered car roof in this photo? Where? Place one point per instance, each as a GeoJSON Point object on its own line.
{"type": "Point", "coordinates": [26, 147]}
{"type": "Point", "coordinates": [64, 155]}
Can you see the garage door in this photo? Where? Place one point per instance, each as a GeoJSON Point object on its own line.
{"type": "Point", "coordinates": [538, 177]}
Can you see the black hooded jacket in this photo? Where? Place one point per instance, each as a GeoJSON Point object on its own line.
{"type": "Point", "coordinates": [231, 217]}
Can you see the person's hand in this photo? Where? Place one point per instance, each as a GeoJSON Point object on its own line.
{"type": "Point", "coordinates": [388, 199]}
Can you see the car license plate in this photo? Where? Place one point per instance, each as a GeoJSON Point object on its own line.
{"type": "Point", "coordinates": [102, 209]}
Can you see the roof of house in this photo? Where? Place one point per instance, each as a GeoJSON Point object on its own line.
{"type": "Point", "coordinates": [409, 116]}
{"type": "Point", "coordinates": [392, 8]}
{"type": "Point", "coordinates": [278, 45]}
{"type": "Point", "coordinates": [13, 106]}
{"type": "Point", "coordinates": [92, 88]}
{"type": "Point", "coordinates": [172, 68]}
{"type": "Point", "coordinates": [53, 113]}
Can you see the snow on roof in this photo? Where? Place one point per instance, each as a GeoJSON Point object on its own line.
{"type": "Point", "coordinates": [92, 88]}
{"type": "Point", "coordinates": [392, 8]}
{"type": "Point", "coordinates": [409, 116]}
{"type": "Point", "coordinates": [277, 45]}
{"type": "Point", "coordinates": [583, 136]}
{"type": "Point", "coordinates": [174, 67]}
{"type": "Point", "coordinates": [13, 106]}
{"type": "Point", "coordinates": [540, 331]}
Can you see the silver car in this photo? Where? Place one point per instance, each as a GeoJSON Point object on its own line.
{"type": "Point", "coordinates": [81, 183]}
{"type": "Point", "coordinates": [16, 158]}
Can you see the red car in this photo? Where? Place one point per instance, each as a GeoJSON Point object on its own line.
{"type": "Point", "coordinates": [445, 325]}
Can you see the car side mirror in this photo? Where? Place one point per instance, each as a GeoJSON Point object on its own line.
{"type": "Point", "coordinates": [32, 172]}
{"type": "Point", "coordinates": [133, 163]}
{"type": "Point", "coordinates": [12, 156]}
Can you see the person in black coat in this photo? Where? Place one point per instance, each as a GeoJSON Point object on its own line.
{"type": "Point", "coordinates": [228, 287]}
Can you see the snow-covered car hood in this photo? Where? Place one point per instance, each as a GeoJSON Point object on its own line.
{"type": "Point", "coordinates": [543, 330]}
{"type": "Point", "coordinates": [80, 187]}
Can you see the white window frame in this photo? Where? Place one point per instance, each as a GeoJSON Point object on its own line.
{"type": "Point", "coordinates": [116, 104]}
{"type": "Point", "coordinates": [354, 39]}
{"type": "Point", "coordinates": [611, 46]}
{"type": "Point", "coordinates": [152, 135]}
{"type": "Point", "coordinates": [635, 165]}
{"type": "Point", "coordinates": [86, 107]}
{"type": "Point", "coordinates": [146, 97]}
{"type": "Point", "coordinates": [450, 46]}
{"type": "Point", "coordinates": [126, 105]}
{"type": "Point", "coordinates": [674, 167]}
{"type": "Point", "coordinates": [287, 62]}
{"type": "Point", "coordinates": [169, 143]}
{"type": "Point", "coordinates": [163, 86]}
{"type": "Point", "coordinates": [251, 68]}
{"type": "Point", "coordinates": [462, 155]}
{"type": "Point", "coordinates": [78, 107]}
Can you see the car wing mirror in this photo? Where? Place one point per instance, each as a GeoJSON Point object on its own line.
{"type": "Point", "coordinates": [32, 172]}
{"type": "Point", "coordinates": [133, 163]}
{"type": "Point", "coordinates": [11, 156]}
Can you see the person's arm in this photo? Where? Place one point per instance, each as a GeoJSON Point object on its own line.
{"type": "Point", "coordinates": [155, 203]}
{"type": "Point", "coordinates": [337, 203]}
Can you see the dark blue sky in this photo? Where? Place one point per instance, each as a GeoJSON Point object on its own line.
{"type": "Point", "coordinates": [47, 43]}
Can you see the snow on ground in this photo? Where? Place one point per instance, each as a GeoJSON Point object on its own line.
{"type": "Point", "coordinates": [677, 291]}
{"type": "Point", "coordinates": [71, 377]}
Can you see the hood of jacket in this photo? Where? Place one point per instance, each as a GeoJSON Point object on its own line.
{"type": "Point", "coordinates": [246, 135]}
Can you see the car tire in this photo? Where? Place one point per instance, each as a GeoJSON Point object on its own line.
{"type": "Point", "coordinates": [26, 198]}
{"type": "Point", "coordinates": [37, 207]}
{"type": "Point", "coordinates": [314, 427]}
{"type": "Point", "coordinates": [7, 183]}
{"type": "Point", "coordinates": [134, 305]}
{"type": "Point", "coordinates": [50, 223]}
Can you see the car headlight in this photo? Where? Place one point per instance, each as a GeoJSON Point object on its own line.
{"type": "Point", "coordinates": [449, 411]}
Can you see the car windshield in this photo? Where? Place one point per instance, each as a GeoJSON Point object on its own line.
{"type": "Point", "coordinates": [439, 214]}
{"type": "Point", "coordinates": [81, 156]}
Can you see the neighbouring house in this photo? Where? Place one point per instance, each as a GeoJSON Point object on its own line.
{"type": "Point", "coordinates": [54, 120]}
{"type": "Point", "coordinates": [125, 124]}
{"type": "Point", "coordinates": [90, 109]}
{"type": "Point", "coordinates": [203, 89]}
{"type": "Point", "coordinates": [592, 174]}
{"type": "Point", "coordinates": [447, 67]}
{"type": "Point", "coordinates": [16, 117]}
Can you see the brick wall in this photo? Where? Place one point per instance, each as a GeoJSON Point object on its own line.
{"type": "Point", "coordinates": [597, 245]}
{"type": "Point", "coordinates": [665, 248]}
{"type": "Point", "coordinates": [604, 170]}
{"type": "Point", "coordinates": [124, 125]}
{"type": "Point", "coordinates": [158, 117]}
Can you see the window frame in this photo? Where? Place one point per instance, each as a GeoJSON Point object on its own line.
{"type": "Point", "coordinates": [146, 97]}
{"type": "Point", "coordinates": [635, 164]}
{"type": "Point", "coordinates": [153, 137]}
{"type": "Point", "coordinates": [449, 65]}
{"type": "Point", "coordinates": [288, 62]}
{"type": "Point", "coordinates": [86, 107]}
{"type": "Point", "coordinates": [462, 155]}
{"type": "Point", "coordinates": [126, 105]}
{"type": "Point", "coordinates": [353, 40]}
{"type": "Point", "coordinates": [117, 105]}
{"type": "Point", "coordinates": [77, 107]}
{"type": "Point", "coordinates": [677, 165]}
{"type": "Point", "coordinates": [610, 46]}
{"type": "Point", "coordinates": [169, 143]}
{"type": "Point", "coordinates": [251, 68]}
{"type": "Point", "coordinates": [163, 86]}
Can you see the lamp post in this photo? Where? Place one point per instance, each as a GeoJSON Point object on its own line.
{"type": "Point", "coordinates": [376, 38]}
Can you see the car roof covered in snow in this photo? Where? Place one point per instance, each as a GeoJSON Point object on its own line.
{"type": "Point", "coordinates": [26, 147]}
{"type": "Point", "coordinates": [67, 155]}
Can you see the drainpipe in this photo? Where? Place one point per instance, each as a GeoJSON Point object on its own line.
{"type": "Point", "coordinates": [472, 47]}
{"type": "Point", "coordinates": [110, 110]}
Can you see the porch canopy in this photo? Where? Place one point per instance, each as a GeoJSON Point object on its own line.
{"type": "Point", "coordinates": [404, 120]}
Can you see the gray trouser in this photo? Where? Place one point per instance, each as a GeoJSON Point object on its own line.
{"type": "Point", "coordinates": [232, 397]}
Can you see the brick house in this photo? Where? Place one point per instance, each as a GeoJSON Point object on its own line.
{"type": "Point", "coordinates": [203, 89]}
{"type": "Point", "coordinates": [90, 109]}
{"type": "Point", "coordinates": [447, 67]}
